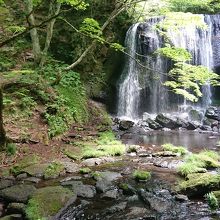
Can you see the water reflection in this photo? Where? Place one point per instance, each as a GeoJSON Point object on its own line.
{"type": "Point", "coordinates": [193, 141]}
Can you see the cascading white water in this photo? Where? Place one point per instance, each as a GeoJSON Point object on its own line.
{"type": "Point", "coordinates": [129, 87]}
{"type": "Point", "coordinates": [199, 43]}
{"type": "Point", "coordinates": [140, 89]}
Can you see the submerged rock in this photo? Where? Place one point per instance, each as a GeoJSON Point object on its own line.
{"type": "Point", "coordinates": [18, 193]}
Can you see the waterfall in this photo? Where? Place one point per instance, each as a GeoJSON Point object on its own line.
{"type": "Point", "coordinates": [128, 102]}
{"type": "Point", "coordinates": [140, 89]}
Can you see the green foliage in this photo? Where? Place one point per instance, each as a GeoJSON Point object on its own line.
{"type": "Point", "coordinates": [187, 79]}
{"type": "Point", "coordinates": [117, 47]}
{"type": "Point", "coordinates": [70, 104]}
{"type": "Point", "coordinates": [196, 6]}
{"type": "Point", "coordinates": [91, 28]}
{"type": "Point", "coordinates": [78, 4]}
{"type": "Point", "coordinates": [175, 149]}
{"type": "Point", "coordinates": [14, 29]}
{"type": "Point", "coordinates": [176, 20]}
{"type": "Point", "coordinates": [11, 149]}
{"type": "Point", "coordinates": [141, 175]}
{"type": "Point", "coordinates": [53, 170]}
{"type": "Point", "coordinates": [212, 201]}
{"type": "Point", "coordinates": [175, 53]}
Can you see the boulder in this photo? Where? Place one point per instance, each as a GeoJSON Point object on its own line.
{"type": "Point", "coordinates": [125, 125]}
{"type": "Point", "coordinates": [36, 170]}
{"type": "Point", "coordinates": [15, 207]}
{"type": "Point", "coordinates": [47, 201]}
{"type": "Point", "coordinates": [213, 113]}
{"type": "Point", "coordinates": [85, 191]}
{"type": "Point", "coordinates": [153, 124]}
{"type": "Point", "coordinates": [105, 179]}
{"type": "Point", "coordinates": [4, 183]}
{"type": "Point", "coordinates": [167, 122]}
{"type": "Point", "coordinates": [193, 125]}
{"type": "Point", "coordinates": [146, 116]}
{"type": "Point", "coordinates": [18, 193]}
{"type": "Point", "coordinates": [195, 115]}
{"type": "Point", "coordinates": [110, 194]}
{"type": "Point", "coordinates": [160, 204]}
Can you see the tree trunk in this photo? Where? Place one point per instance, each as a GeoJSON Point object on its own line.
{"type": "Point", "coordinates": [33, 32]}
{"type": "Point", "coordinates": [54, 9]}
{"type": "Point", "coordinates": [2, 130]}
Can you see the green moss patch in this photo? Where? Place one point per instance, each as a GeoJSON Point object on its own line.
{"type": "Point", "coordinates": [141, 175]}
{"type": "Point", "coordinates": [53, 170]}
{"type": "Point", "coordinates": [105, 145]}
{"type": "Point", "coordinates": [25, 162]}
{"type": "Point", "coordinates": [196, 163]}
{"type": "Point", "coordinates": [47, 202]}
{"type": "Point", "coordinates": [175, 149]}
{"type": "Point", "coordinates": [199, 184]}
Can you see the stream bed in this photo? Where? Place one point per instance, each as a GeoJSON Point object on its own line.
{"type": "Point", "coordinates": [156, 199]}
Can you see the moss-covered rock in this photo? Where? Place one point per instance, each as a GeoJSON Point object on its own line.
{"type": "Point", "coordinates": [36, 170]}
{"type": "Point", "coordinates": [53, 170]}
{"type": "Point", "coordinates": [47, 202]}
{"type": "Point", "coordinates": [25, 162]}
{"type": "Point", "coordinates": [199, 184]}
{"type": "Point", "coordinates": [17, 193]}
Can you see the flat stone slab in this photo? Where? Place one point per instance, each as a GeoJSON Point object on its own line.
{"type": "Point", "coordinates": [36, 170]}
{"type": "Point", "coordinates": [70, 167]}
{"type": "Point", "coordinates": [18, 193]}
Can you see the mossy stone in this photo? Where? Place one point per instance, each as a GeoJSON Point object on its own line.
{"type": "Point", "coordinates": [199, 184]}
{"type": "Point", "coordinates": [53, 170]}
{"type": "Point", "coordinates": [47, 202]}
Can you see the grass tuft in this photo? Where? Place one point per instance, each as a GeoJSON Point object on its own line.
{"type": "Point", "coordinates": [141, 175]}
{"type": "Point", "coordinates": [175, 149]}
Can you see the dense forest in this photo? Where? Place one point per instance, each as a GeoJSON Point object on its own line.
{"type": "Point", "coordinates": [96, 97]}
